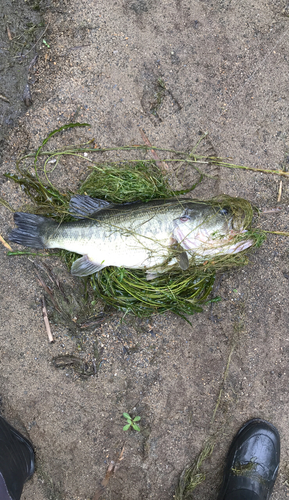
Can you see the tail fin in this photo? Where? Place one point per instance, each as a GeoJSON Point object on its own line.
{"type": "Point", "coordinates": [30, 230]}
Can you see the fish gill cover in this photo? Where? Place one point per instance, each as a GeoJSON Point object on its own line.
{"type": "Point", "coordinates": [180, 291]}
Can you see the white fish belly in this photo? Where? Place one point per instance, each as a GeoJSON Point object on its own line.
{"type": "Point", "coordinates": [130, 251]}
{"type": "Point", "coordinates": [136, 252]}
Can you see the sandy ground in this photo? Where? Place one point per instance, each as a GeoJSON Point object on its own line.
{"type": "Point", "coordinates": [225, 67]}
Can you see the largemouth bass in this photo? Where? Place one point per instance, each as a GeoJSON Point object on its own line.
{"type": "Point", "coordinates": [153, 236]}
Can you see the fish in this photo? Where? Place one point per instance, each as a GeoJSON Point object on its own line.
{"type": "Point", "coordinates": [152, 236]}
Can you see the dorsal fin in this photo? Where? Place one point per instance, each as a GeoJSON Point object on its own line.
{"type": "Point", "coordinates": [83, 206]}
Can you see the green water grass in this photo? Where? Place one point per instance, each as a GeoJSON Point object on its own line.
{"type": "Point", "coordinates": [142, 181]}
{"type": "Point", "coordinates": [131, 292]}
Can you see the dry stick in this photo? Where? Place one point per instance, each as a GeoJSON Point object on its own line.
{"type": "Point", "coordinates": [270, 210]}
{"type": "Point", "coordinates": [4, 98]}
{"type": "Point", "coordinates": [279, 193]}
{"type": "Point", "coordinates": [9, 33]}
{"type": "Point", "coordinates": [6, 245]}
{"type": "Point", "coordinates": [263, 170]}
{"type": "Point", "coordinates": [41, 282]}
{"type": "Point", "coordinates": [109, 473]}
{"type": "Point", "coordinates": [46, 322]}
{"type": "Point", "coordinates": [282, 233]}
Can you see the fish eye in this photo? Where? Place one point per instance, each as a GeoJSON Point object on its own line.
{"type": "Point", "coordinates": [223, 211]}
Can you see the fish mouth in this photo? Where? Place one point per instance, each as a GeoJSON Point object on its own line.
{"type": "Point", "coordinates": [229, 248]}
{"type": "Point", "coordinates": [202, 243]}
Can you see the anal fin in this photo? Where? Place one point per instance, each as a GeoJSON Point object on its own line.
{"type": "Point", "coordinates": [84, 267]}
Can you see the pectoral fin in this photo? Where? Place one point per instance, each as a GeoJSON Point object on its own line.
{"type": "Point", "coordinates": [183, 260]}
{"type": "Point", "coordinates": [181, 256]}
{"type": "Point", "coordinates": [84, 267]}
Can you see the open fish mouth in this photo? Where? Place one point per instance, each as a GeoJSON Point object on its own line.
{"type": "Point", "coordinates": [201, 242]}
{"type": "Point", "coordinates": [228, 249]}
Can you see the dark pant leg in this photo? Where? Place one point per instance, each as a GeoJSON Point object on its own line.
{"type": "Point", "coordinates": [243, 495]}
{"type": "Point", "coordinates": [4, 495]}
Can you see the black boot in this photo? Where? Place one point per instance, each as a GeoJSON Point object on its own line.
{"type": "Point", "coordinates": [16, 461]}
{"type": "Point", "coordinates": [252, 462]}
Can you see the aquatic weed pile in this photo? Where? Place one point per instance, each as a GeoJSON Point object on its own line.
{"type": "Point", "coordinates": [130, 291]}
{"type": "Point", "coordinates": [182, 292]}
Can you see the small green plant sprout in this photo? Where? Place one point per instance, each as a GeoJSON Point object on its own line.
{"type": "Point", "coordinates": [131, 422]}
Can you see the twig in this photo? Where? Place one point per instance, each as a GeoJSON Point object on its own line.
{"type": "Point", "coordinates": [4, 98]}
{"type": "Point", "coordinates": [9, 33]}
{"type": "Point", "coordinates": [279, 193]}
{"type": "Point", "coordinates": [41, 282]}
{"type": "Point", "coordinates": [263, 170]}
{"type": "Point", "coordinates": [46, 322]}
{"type": "Point", "coordinates": [282, 233]}
{"type": "Point", "coordinates": [270, 210]}
{"type": "Point", "coordinates": [6, 245]}
{"type": "Point", "coordinates": [109, 473]}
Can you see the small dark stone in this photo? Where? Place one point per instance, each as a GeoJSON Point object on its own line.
{"type": "Point", "coordinates": [27, 97]}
